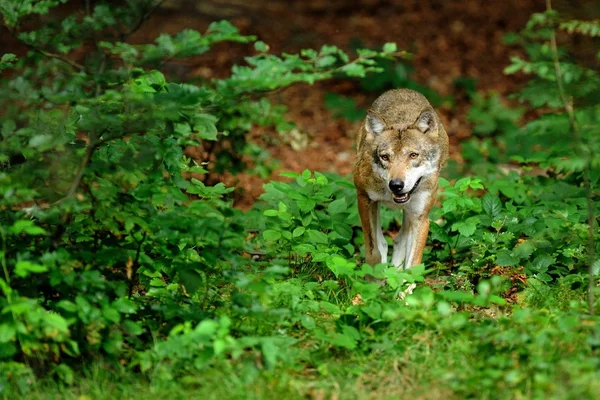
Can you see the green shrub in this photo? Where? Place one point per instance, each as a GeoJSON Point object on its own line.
{"type": "Point", "coordinates": [105, 243]}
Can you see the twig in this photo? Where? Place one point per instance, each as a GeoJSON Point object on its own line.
{"type": "Point", "coordinates": [135, 264]}
{"type": "Point", "coordinates": [84, 162]}
{"type": "Point", "coordinates": [141, 21]}
{"type": "Point", "coordinates": [4, 266]}
{"type": "Point", "coordinates": [48, 54]}
{"type": "Point", "coordinates": [13, 32]}
{"type": "Point", "coordinates": [66, 60]}
{"type": "Point", "coordinates": [62, 226]}
{"type": "Point", "coordinates": [568, 106]}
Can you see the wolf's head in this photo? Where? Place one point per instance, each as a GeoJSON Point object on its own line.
{"type": "Point", "coordinates": [404, 154]}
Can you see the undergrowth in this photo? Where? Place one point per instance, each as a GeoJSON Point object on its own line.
{"type": "Point", "coordinates": [121, 259]}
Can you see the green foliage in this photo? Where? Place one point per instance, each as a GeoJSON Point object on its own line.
{"type": "Point", "coordinates": [539, 169]}
{"type": "Point", "coordinates": [116, 249]}
{"type": "Point", "coordinates": [397, 74]}
{"type": "Point", "coordinates": [537, 224]}
{"type": "Point", "coordinates": [587, 28]}
{"type": "Point", "coordinates": [392, 74]}
{"type": "Point", "coordinates": [315, 210]}
{"type": "Point", "coordinates": [105, 244]}
{"type": "Point", "coordinates": [490, 116]}
{"type": "Point", "coordinates": [344, 107]}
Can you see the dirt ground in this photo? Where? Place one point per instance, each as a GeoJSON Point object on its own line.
{"type": "Point", "coordinates": [449, 39]}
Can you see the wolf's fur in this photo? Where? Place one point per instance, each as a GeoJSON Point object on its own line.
{"type": "Point", "coordinates": [401, 140]}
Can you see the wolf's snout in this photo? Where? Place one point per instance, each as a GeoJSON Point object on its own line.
{"type": "Point", "coordinates": [396, 186]}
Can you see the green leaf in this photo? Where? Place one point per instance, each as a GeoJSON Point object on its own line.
{"type": "Point", "coordinates": [7, 332]}
{"type": "Point", "coordinates": [261, 46]}
{"type": "Point", "coordinates": [492, 205]}
{"type": "Point", "coordinates": [65, 373]}
{"type": "Point", "coordinates": [111, 314]}
{"type": "Point", "coordinates": [7, 350]}
{"type": "Point", "coordinates": [57, 322]}
{"type": "Point", "coordinates": [191, 279]}
{"type": "Point", "coordinates": [344, 230]}
{"type": "Point", "coordinates": [205, 126]}
{"type": "Point", "coordinates": [467, 227]}
{"type": "Point", "coordinates": [8, 60]}
{"type": "Point", "coordinates": [271, 235]}
{"type": "Point", "coordinates": [270, 352]}
{"type": "Point", "coordinates": [337, 206]}
{"type": "Point", "coordinates": [124, 305]}
{"type": "Point", "coordinates": [348, 339]}
{"type": "Point", "coordinates": [596, 267]}
{"type": "Point", "coordinates": [132, 328]}
{"type": "Point", "coordinates": [541, 263]}
{"type": "Point", "coordinates": [523, 250]}
{"type": "Point", "coordinates": [24, 268]}
{"type": "Point", "coordinates": [299, 231]}
{"type": "Point", "coordinates": [8, 127]}
{"type": "Point", "coordinates": [149, 82]}
{"type": "Point", "coordinates": [544, 277]}
{"type": "Point", "coordinates": [290, 174]}
{"type": "Point", "coordinates": [326, 61]}
{"type": "Point", "coordinates": [317, 236]}
{"type": "Point", "coordinates": [354, 70]}
{"type": "Point", "coordinates": [505, 259]}
{"type": "Point", "coordinates": [40, 141]}
{"type": "Point", "coordinates": [207, 328]}
{"type": "Point", "coordinates": [308, 322]}
{"type": "Point", "coordinates": [340, 266]}
{"type": "Point", "coordinates": [26, 226]}
{"type": "Point", "coordinates": [390, 48]}
{"type": "Point", "coordinates": [306, 204]}
{"type": "Point", "coordinates": [67, 305]}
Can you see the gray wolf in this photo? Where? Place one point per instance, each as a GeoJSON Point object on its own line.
{"type": "Point", "coordinates": [402, 147]}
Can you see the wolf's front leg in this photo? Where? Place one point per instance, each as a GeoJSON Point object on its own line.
{"type": "Point", "coordinates": [381, 243]}
{"type": "Point", "coordinates": [410, 241]}
{"type": "Point", "coordinates": [375, 245]}
{"type": "Point", "coordinates": [419, 233]}
{"type": "Point", "coordinates": [402, 246]}
{"type": "Point", "coordinates": [409, 244]}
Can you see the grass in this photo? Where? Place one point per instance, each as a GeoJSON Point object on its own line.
{"type": "Point", "coordinates": [544, 351]}
{"type": "Point", "coordinates": [354, 378]}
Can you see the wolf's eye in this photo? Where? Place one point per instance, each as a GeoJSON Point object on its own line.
{"type": "Point", "coordinates": [413, 156]}
{"type": "Point", "coordinates": [384, 157]}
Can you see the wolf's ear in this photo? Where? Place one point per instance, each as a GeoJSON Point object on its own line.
{"type": "Point", "coordinates": [426, 122]}
{"type": "Point", "coordinates": [374, 124]}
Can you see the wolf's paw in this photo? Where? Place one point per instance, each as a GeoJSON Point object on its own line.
{"type": "Point", "coordinates": [407, 291]}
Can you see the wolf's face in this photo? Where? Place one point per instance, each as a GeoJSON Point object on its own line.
{"type": "Point", "coordinates": [403, 156]}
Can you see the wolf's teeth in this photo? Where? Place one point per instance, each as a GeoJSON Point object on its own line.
{"type": "Point", "coordinates": [403, 198]}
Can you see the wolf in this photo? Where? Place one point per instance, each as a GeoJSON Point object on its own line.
{"type": "Point", "coordinates": [401, 149]}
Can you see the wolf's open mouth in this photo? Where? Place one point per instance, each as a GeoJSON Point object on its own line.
{"type": "Point", "coordinates": [404, 197]}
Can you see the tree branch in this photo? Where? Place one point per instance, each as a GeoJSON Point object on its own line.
{"type": "Point", "coordinates": [141, 21]}
{"type": "Point", "coordinates": [135, 265]}
{"type": "Point", "coordinates": [46, 53]}
{"type": "Point", "coordinates": [64, 59]}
